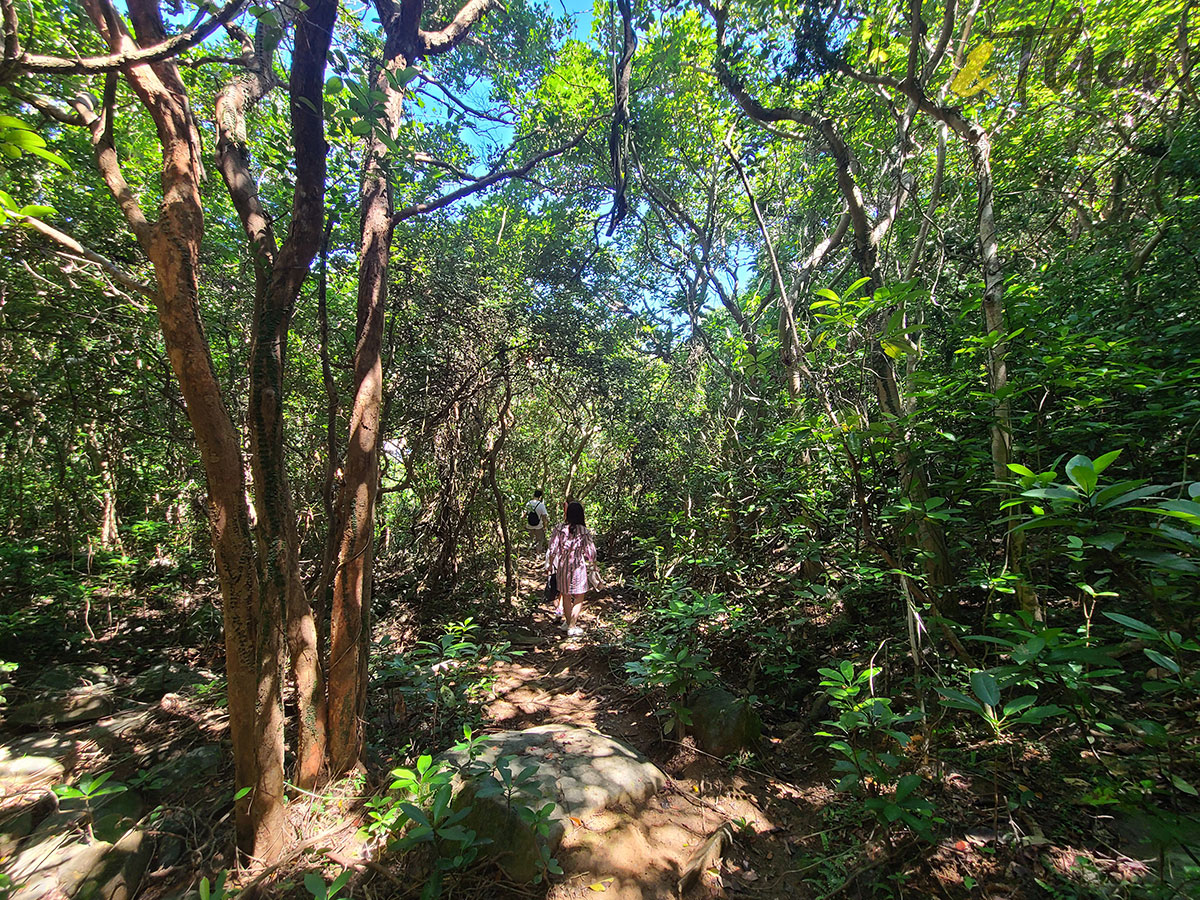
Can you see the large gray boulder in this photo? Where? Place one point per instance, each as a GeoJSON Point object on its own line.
{"type": "Point", "coordinates": [578, 771]}
{"type": "Point", "coordinates": [722, 724]}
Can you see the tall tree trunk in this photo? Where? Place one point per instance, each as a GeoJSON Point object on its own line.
{"type": "Point", "coordinates": [501, 512]}
{"type": "Point", "coordinates": [173, 245]}
{"type": "Point", "coordinates": [321, 596]}
{"type": "Point", "coordinates": [979, 147]}
{"type": "Point", "coordinates": [405, 43]}
{"type": "Point", "coordinates": [350, 613]}
{"type": "Point", "coordinates": [279, 275]}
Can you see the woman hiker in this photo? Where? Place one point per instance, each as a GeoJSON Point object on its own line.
{"type": "Point", "coordinates": [571, 550]}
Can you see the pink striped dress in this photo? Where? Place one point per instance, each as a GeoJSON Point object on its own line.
{"type": "Point", "coordinates": [568, 556]}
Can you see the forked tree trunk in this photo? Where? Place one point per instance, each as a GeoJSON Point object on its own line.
{"type": "Point", "coordinates": [173, 245]}
{"type": "Point", "coordinates": [252, 618]}
{"type": "Point", "coordinates": [279, 275]}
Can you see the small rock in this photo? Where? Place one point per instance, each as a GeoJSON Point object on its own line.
{"type": "Point", "coordinates": [164, 678]}
{"type": "Point", "coordinates": [192, 767]}
{"type": "Point", "coordinates": [85, 704]}
{"type": "Point", "coordinates": [722, 723]}
{"type": "Point", "coordinates": [112, 730]}
{"type": "Point", "coordinates": [54, 865]}
{"type": "Point", "coordinates": [24, 771]}
{"type": "Point", "coordinates": [119, 873]}
{"type": "Point", "coordinates": [61, 747]}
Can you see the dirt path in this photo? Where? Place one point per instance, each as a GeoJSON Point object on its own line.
{"type": "Point", "coordinates": [636, 854]}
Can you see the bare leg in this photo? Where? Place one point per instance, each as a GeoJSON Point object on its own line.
{"type": "Point", "coordinates": [571, 611]}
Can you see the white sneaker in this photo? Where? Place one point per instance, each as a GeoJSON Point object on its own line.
{"type": "Point", "coordinates": [574, 631]}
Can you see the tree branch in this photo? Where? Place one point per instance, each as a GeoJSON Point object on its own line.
{"type": "Point", "coordinates": [109, 165]}
{"type": "Point", "coordinates": [486, 181]}
{"type": "Point", "coordinates": [65, 240]}
{"type": "Point", "coordinates": [33, 63]}
{"type": "Point", "coordinates": [432, 43]}
{"type": "Point", "coordinates": [12, 34]}
{"type": "Point", "coordinates": [45, 106]}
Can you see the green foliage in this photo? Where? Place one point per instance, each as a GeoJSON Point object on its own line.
{"type": "Point", "coordinates": [859, 737]}
{"type": "Point", "coordinates": [319, 890]}
{"type": "Point", "coordinates": [419, 808]}
{"type": "Point", "coordinates": [986, 702]}
{"type": "Point", "coordinates": [215, 891]}
{"type": "Point", "coordinates": [449, 678]}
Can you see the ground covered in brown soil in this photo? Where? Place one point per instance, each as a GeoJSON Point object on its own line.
{"type": "Point", "coordinates": [767, 825]}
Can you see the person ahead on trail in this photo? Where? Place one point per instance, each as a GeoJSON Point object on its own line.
{"type": "Point", "coordinates": [571, 549]}
{"type": "Point", "coordinates": [537, 517]}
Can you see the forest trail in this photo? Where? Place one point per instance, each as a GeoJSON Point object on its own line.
{"type": "Point", "coordinates": [640, 854]}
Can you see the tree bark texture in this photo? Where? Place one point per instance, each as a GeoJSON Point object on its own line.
{"type": "Point", "coordinates": [279, 274]}
{"type": "Point", "coordinates": [406, 42]}
{"type": "Point", "coordinates": [172, 243]}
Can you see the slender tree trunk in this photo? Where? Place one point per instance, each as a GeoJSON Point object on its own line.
{"type": "Point", "coordinates": [501, 512]}
{"type": "Point", "coordinates": [321, 596]}
{"type": "Point", "coordinates": [980, 150]}
{"type": "Point", "coordinates": [350, 614]}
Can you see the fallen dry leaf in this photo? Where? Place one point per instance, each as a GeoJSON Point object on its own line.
{"type": "Point", "coordinates": [601, 886]}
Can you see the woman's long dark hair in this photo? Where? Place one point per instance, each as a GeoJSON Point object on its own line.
{"type": "Point", "coordinates": [575, 516]}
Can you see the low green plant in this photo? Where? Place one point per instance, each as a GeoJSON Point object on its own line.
{"type": "Point", "coordinates": [319, 890]}
{"type": "Point", "coordinates": [449, 676]}
{"type": "Point", "coordinates": [88, 789]}
{"type": "Point", "coordinates": [865, 725]}
{"type": "Point", "coordinates": [675, 670]}
{"type": "Point", "coordinates": [214, 890]}
{"type": "Point", "coordinates": [1023, 710]}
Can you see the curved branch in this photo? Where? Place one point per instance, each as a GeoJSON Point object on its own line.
{"type": "Point", "coordinates": [65, 240]}
{"type": "Point", "coordinates": [432, 43]}
{"type": "Point", "coordinates": [46, 106]}
{"type": "Point", "coordinates": [35, 63]}
{"type": "Point", "coordinates": [486, 181]}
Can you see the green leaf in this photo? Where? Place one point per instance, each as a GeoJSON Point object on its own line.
{"type": "Point", "coordinates": [906, 785]}
{"type": "Point", "coordinates": [1164, 661]}
{"type": "Point", "coordinates": [50, 156]}
{"type": "Point", "coordinates": [1082, 473]}
{"type": "Point", "coordinates": [1135, 625]}
{"type": "Point", "coordinates": [985, 687]}
{"type": "Point", "coordinates": [416, 814]}
{"type": "Point", "coordinates": [1183, 786]}
{"type": "Point", "coordinates": [315, 885]}
{"type": "Point", "coordinates": [1105, 461]}
{"type": "Point", "coordinates": [37, 212]}
{"type": "Point", "coordinates": [1021, 470]}
{"type": "Point", "coordinates": [340, 881]}
{"type": "Point", "coordinates": [1128, 497]}
{"type": "Point", "coordinates": [958, 700]}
